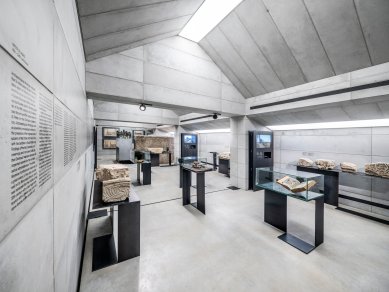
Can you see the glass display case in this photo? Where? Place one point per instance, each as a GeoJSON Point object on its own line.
{"type": "Point", "coordinates": [299, 184]}
{"type": "Point", "coordinates": [189, 162]}
{"type": "Point", "coordinates": [142, 155]}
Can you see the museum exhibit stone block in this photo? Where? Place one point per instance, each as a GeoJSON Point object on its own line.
{"type": "Point", "coordinates": [377, 169]}
{"type": "Point", "coordinates": [116, 190]}
{"type": "Point", "coordinates": [155, 150]}
{"type": "Point", "coordinates": [225, 155]}
{"type": "Point", "coordinates": [348, 167]}
{"type": "Point", "coordinates": [325, 164]}
{"type": "Point", "coordinates": [305, 162]}
{"type": "Point", "coordinates": [111, 171]}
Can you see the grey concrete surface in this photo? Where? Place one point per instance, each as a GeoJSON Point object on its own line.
{"type": "Point", "coordinates": [173, 73]}
{"type": "Point", "coordinates": [108, 27]}
{"type": "Point", "coordinates": [232, 249]}
{"type": "Point", "coordinates": [287, 43]}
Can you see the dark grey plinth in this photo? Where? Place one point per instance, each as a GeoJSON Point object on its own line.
{"type": "Point", "coordinates": [128, 231]}
{"type": "Point", "coordinates": [276, 215]}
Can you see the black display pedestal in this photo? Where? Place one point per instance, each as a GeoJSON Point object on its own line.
{"type": "Point", "coordinates": [154, 157]}
{"type": "Point", "coordinates": [224, 166]}
{"type": "Point", "coordinates": [124, 242]}
{"type": "Point", "coordinates": [145, 167]}
{"type": "Point", "coordinates": [276, 215]}
{"type": "Point", "coordinates": [200, 187]}
{"type": "Point", "coordinates": [214, 155]}
{"type": "Point", "coordinates": [331, 183]}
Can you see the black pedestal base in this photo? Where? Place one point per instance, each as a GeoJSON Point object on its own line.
{"type": "Point", "coordinates": [276, 215]}
{"type": "Point", "coordinates": [104, 252]}
{"type": "Point", "coordinates": [200, 176]}
{"type": "Point", "coordinates": [296, 242]}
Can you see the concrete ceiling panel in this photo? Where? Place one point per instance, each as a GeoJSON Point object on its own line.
{"type": "Point", "coordinates": [160, 54]}
{"type": "Point", "coordinates": [120, 20]}
{"type": "Point", "coordinates": [119, 66]}
{"type": "Point", "coordinates": [186, 46]}
{"type": "Point", "coordinates": [374, 17]}
{"type": "Point", "coordinates": [88, 7]}
{"type": "Point", "coordinates": [124, 48]}
{"type": "Point", "coordinates": [247, 49]}
{"type": "Point", "coordinates": [295, 25]}
{"type": "Point", "coordinates": [339, 28]}
{"type": "Point", "coordinates": [123, 38]}
{"type": "Point", "coordinates": [265, 33]}
{"type": "Point", "coordinates": [228, 53]}
{"type": "Point", "coordinates": [205, 44]}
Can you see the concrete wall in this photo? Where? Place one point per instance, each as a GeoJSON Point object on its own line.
{"type": "Point", "coordinates": [41, 239]}
{"type": "Point", "coordinates": [219, 142]}
{"type": "Point", "coordinates": [357, 145]}
{"type": "Point", "coordinates": [171, 73]}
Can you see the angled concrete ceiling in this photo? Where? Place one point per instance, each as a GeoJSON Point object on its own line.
{"type": "Point", "coordinates": [111, 26]}
{"type": "Point", "coordinates": [268, 45]}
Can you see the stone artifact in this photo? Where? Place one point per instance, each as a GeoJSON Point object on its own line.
{"type": "Point", "coordinates": [224, 155]}
{"type": "Point", "coordinates": [294, 185]}
{"type": "Point", "coordinates": [197, 164]}
{"type": "Point", "coordinates": [111, 171]}
{"type": "Point", "coordinates": [348, 167]}
{"type": "Point", "coordinates": [116, 190]}
{"type": "Point", "coordinates": [325, 164]}
{"type": "Point", "coordinates": [305, 162]}
{"type": "Point", "coordinates": [377, 169]}
{"type": "Point", "coordinates": [155, 150]}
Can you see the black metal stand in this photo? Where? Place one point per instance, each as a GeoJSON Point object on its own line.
{"type": "Point", "coordinates": [146, 170]}
{"type": "Point", "coordinates": [331, 183]}
{"type": "Point", "coordinates": [214, 155]}
{"type": "Point", "coordinates": [224, 166]}
{"type": "Point", "coordinates": [200, 188]}
{"type": "Point", "coordinates": [276, 215]}
{"type": "Point", "coordinates": [154, 157]}
{"type": "Point", "coordinates": [126, 216]}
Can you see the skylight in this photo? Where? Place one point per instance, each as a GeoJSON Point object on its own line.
{"type": "Point", "coordinates": [210, 13]}
{"type": "Point", "coordinates": [334, 125]}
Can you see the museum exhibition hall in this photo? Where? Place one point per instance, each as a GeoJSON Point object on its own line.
{"type": "Point", "coordinates": [194, 145]}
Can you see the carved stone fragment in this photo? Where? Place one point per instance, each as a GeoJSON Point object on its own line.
{"type": "Point", "coordinates": [305, 162]}
{"type": "Point", "coordinates": [155, 150]}
{"type": "Point", "coordinates": [224, 155]}
{"type": "Point", "coordinates": [378, 169]}
{"type": "Point", "coordinates": [325, 163]}
{"type": "Point", "coordinates": [111, 171]}
{"type": "Point", "coordinates": [348, 167]}
{"type": "Point", "coordinates": [116, 190]}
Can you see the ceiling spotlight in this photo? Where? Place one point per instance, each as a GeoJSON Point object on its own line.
{"type": "Point", "coordinates": [214, 116]}
{"type": "Point", "coordinates": [142, 107]}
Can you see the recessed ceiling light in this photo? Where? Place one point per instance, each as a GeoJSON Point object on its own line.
{"type": "Point", "coordinates": [333, 125]}
{"type": "Point", "coordinates": [210, 14]}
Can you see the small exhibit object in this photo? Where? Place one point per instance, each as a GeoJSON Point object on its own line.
{"type": "Point", "coordinates": [325, 164]}
{"type": "Point", "coordinates": [377, 169]}
{"type": "Point", "coordinates": [294, 185]}
{"type": "Point", "coordinates": [305, 162]}
{"type": "Point", "coordinates": [348, 167]}
{"type": "Point", "coordinates": [197, 164]}
{"type": "Point", "coordinates": [116, 190]}
{"type": "Point", "coordinates": [111, 171]}
{"type": "Point", "coordinates": [225, 156]}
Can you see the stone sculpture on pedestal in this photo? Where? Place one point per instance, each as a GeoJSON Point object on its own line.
{"type": "Point", "coordinates": [378, 169]}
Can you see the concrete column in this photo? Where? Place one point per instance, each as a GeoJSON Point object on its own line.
{"type": "Point", "coordinates": [239, 149]}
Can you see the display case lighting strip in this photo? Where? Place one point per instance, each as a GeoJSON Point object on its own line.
{"type": "Point", "coordinates": [333, 125]}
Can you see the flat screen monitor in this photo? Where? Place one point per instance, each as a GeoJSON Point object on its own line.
{"type": "Point", "coordinates": [190, 139]}
{"type": "Point", "coordinates": [263, 141]}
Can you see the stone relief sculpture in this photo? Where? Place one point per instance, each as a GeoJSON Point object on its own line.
{"type": "Point", "coordinates": [325, 164]}
{"type": "Point", "coordinates": [116, 182]}
{"type": "Point", "coordinates": [348, 167]}
{"type": "Point", "coordinates": [377, 169]}
{"type": "Point", "coordinates": [305, 162]}
{"type": "Point", "coordinates": [224, 155]}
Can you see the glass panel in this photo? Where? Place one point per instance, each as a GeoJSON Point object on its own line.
{"type": "Point", "coordinates": [299, 184]}
{"type": "Point", "coordinates": [189, 162]}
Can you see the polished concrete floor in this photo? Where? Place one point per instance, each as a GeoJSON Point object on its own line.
{"type": "Point", "coordinates": [232, 249]}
